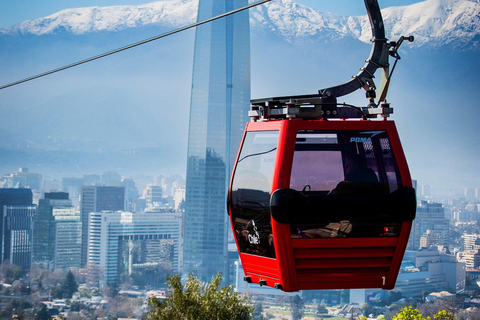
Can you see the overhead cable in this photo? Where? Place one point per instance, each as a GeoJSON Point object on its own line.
{"type": "Point", "coordinates": [135, 44]}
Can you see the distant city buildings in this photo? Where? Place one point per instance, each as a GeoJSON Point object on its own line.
{"type": "Point", "coordinates": [122, 243]}
{"type": "Point", "coordinates": [96, 199]}
{"type": "Point", "coordinates": [431, 271]}
{"type": "Point", "coordinates": [22, 179]}
{"type": "Point", "coordinates": [147, 243]}
{"type": "Point", "coordinates": [430, 216]}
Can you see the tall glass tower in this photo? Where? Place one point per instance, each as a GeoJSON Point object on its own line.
{"type": "Point", "coordinates": [218, 113]}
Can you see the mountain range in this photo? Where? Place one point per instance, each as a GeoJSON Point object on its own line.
{"type": "Point", "coordinates": [129, 112]}
{"type": "Point", "coordinates": [434, 22]}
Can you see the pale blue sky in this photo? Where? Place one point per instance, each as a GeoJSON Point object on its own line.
{"type": "Point", "coordinates": [16, 11]}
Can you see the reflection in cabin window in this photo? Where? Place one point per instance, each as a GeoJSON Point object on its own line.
{"type": "Point", "coordinates": [345, 166]}
{"type": "Point", "coordinates": [250, 194]}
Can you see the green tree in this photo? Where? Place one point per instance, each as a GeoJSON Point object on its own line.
{"type": "Point", "coordinates": [10, 272]}
{"type": "Point", "coordinates": [42, 313]}
{"type": "Point", "coordinates": [298, 307]}
{"type": "Point", "coordinates": [197, 300]}
{"type": "Point", "coordinates": [408, 313]}
{"type": "Point", "coordinates": [257, 312]}
{"type": "Point", "coordinates": [444, 315]}
{"type": "Point", "coordinates": [69, 285]}
{"type": "Point", "coordinates": [321, 309]}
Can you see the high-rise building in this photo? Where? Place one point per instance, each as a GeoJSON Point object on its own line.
{"type": "Point", "coordinates": [429, 239]}
{"type": "Point", "coordinates": [96, 199]}
{"type": "Point", "coordinates": [219, 107]}
{"type": "Point", "coordinates": [123, 243]}
{"type": "Point", "coordinates": [153, 196]}
{"type": "Point", "coordinates": [44, 227]}
{"type": "Point", "coordinates": [471, 241]}
{"type": "Point", "coordinates": [15, 202]}
{"type": "Point", "coordinates": [68, 238]}
{"type": "Point", "coordinates": [17, 235]}
{"type": "Point", "coordinates": [430, 216]}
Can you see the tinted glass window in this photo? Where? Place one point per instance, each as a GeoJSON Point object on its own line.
{"type": "Point", "coordinates": [250, 195]}
{"type": "Point", "coordinates": [345, 166]}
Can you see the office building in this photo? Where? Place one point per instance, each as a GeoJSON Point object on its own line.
{"type": "Point", "coordinates": [429, 239]}
{"type": "Point", "coordinates": [218, 113]}
{"type": "Point", "coordinates": [44, 227]}
{"type": "Point", "coordinates": [122, 243]}
{"type": "Point", "coordinates": [57, 232]}
{"type": "Point", "coordinates": [21, 199]}
{"type": "Point", "coordinates": [432, 271]}
{"type": "Point", "coordinates": [471, 258]}
{"type": "Point", "coordinates": [68, 238]}
{"type": "Point", "coordinates": [471, 241]}
{"type": "Point", "coordinates": [17, 235]}
{"type": "Point", "coordinates": [96, 199]}
{"type": "Point", "coordinates": [153, 196]}
{"type": "Point", "coordinates": [131, 193]}
{"type": "Point", "coordinates": [430, 216]}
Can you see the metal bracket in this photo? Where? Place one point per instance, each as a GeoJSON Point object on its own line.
{"type": "Point", "coordinates": [324, 104]}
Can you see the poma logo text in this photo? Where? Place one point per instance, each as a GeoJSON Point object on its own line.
{"type": "Point", "coordinates": [360, 139]}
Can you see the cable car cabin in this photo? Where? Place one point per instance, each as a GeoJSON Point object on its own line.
{"type": "Point", "coordinates": [321, 204]}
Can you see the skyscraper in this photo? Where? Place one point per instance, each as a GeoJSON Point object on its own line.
{"type": "Point", "coordinates": [17, 235]}
{"type": "Point", "coordinates": [96, 199]}
{"type": "Point", "coordinates": [44, 227]}
{"type": "Point", "coordinates": [16, 211]}
{"type": "Point", "coordinates": [68, 238]}
{"type": "Point", "coordinates": [218, 113]}
{"type": "Point", "coordinates": [430, 216]}
{"type": "Point", "coordinates": [57, 232]}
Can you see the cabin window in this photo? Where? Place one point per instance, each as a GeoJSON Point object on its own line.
{"type": "Point", "coordinates": [250, 194]}
{"type": "Point", "coordinates": [343, 172]}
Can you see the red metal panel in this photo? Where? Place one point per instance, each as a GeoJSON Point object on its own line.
{"type": "Point", "coordinates": [260, 265]}
{"type": "Point", "coordinates": [281, 179]}
{"type": "Point", "coordinates": [331, 253]}
{"type": "Point", "coordinates": [345, 242]}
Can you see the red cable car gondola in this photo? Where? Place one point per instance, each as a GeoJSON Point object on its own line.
{"type": "Point", "coordinates": [321, 196]}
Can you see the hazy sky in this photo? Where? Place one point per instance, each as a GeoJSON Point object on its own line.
{"type": "Point", "coordinates": [15, 11]}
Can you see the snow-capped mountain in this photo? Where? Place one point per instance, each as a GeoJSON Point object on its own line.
{"type": "Point", "coordinates": [432, 22]}
{"type": "Point", "coordinates": [115, 18]}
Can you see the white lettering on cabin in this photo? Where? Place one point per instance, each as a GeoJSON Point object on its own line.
{"type": "Point", "coordinates": [254, 238]}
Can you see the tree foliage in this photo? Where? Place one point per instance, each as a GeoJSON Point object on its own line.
{"type": "Point", "coordinates": [257, 312]}
{"type": "Point", "coordinates": [408, 313]}
{"type": "Point", "coordinates": [10, 272]}
{"type": "Point", "coordinates": [197, 300]}
{"type": "Point", "coordinates": [298, 307]}
{"type": "Point", "coordinates": [69, 285]}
